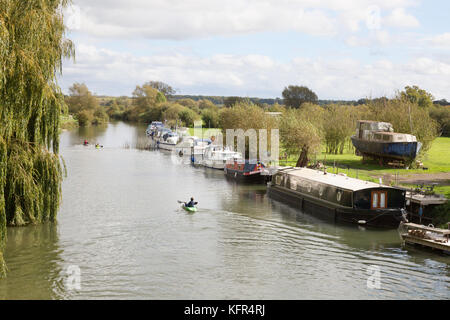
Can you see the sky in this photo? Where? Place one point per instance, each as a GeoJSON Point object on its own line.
{"type": "Point", "coordinates": [340, 49]}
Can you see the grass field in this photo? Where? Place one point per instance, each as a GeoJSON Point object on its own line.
{"type": "Point", "coordinates": [207, 133]}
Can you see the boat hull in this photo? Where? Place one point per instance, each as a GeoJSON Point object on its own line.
{"type": "Point", "coordinates": [388, 150]}
{"type": "Point", "coordinates": [166, 146]}
{"type": "Point", "coordinates": [239, 176]}
{"type": "Point", "coordinates": [383, 218]}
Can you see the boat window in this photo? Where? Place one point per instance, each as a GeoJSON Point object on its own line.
{"type": "Point", "coordinates": [321, 190]}
{"type": "Point", "coordinates": [293, 184]}
{"type": "Point", "coordinates": [379, 199]}
{"type": "Point", "coordinates": [278, 179]}
{"type": "Point", "coordinates": [339, 196]}
{"type": "Point", "coordinates": [386, 138]}
{"type": "Point", "coordinates": [375, 200]}
{"type": "Point", "coordinates": [382, 200]}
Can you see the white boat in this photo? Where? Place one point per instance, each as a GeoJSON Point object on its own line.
{"type": "Point", "coordinates": [216, 157]}
{"type": "Point", "coordinates": [168, 141]}
{"type": "Point", "coordinates": [184, 147]}
{"type": "Point", "coordinates": [152, 127]}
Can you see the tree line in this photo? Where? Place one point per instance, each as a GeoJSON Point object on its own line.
{"type": "Point", "coordinates": [304, 124]}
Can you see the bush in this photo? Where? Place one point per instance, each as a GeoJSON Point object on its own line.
{"type": "Point", "coordinates": [85, 118]}
{"type": "Point", "coordinates": [210, 118]}
{"type": "Point", "coordinates": [441, 215]}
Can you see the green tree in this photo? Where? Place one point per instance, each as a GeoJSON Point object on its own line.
{"type": "Point", "coordinates": [81, 98]}
{"type": "Point", "coordinates": [295, 96]}
{"type": "Point", "coordinates": [418, 96]}
{"type": "Point", "coordinates": [206, 104]}
{"type": "Point", "coordinates": [339, 124]}
{"type": "Point", "coordinates": [162, 87]}
{"type": "Point", "coordinates": [246, 115]}
{"type": "Point", "coordinates": [231, 101]}
{"type": "Point", "coordinates": [210, 118]}
{"type": "Point", "coordinates": [299, 135]}
{"type": "Point", "coordinates": [441, 114]}
{"type": "Point", "coordinates": [86, 106]}
{"type": "Point", "coordinates": [188, 117]}
{"type": "Point", "coordinates": [32, 46]}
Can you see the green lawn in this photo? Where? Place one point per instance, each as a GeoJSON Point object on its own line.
{"type": "Point", "coordinates": [206, 132]}
{"type": "Point", "coordinates": [436, 160]}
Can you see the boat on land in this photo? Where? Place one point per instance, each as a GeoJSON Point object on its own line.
{"type": "Point", "coordinates": [247, 171]}
{"type": "Point", "coordinates": [339, 198]}
{"type": "Point", "coordinates": [377, 140]}
{"type": "Point", "coordinates": [425, 236]}
{"type": "Point", "coordinates": [216, 157]}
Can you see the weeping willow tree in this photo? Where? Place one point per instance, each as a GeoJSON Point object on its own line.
{"type": "Point", "coordinates": [32, 46]}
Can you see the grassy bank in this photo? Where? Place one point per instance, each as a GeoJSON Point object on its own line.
{"type": "Point", "coordinates": [436, 160]}
{"type": "Point", "coordinates": [68, 122]}
{"type": "Point", "coordinates": [205, 132]}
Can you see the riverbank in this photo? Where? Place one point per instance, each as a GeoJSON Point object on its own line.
{"type": "Point", "coordinates": [436, 162]}
{"type": "Point", "coordinates": [68, 122]}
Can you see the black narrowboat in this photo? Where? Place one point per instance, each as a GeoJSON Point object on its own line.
{"type": "Point", "coordinates": [246, 171]}
{"type": "Point", "coordinates": [339, 198]}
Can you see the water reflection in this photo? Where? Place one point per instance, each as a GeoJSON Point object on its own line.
{"type": "Point", "coordinates": [34, 261]}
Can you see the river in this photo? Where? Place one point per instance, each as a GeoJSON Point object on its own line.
{"type": "Point", "coordinates": [122, 235]}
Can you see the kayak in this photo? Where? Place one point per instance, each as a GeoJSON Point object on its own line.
{"type": "Point", "coordinates": [189, 209]}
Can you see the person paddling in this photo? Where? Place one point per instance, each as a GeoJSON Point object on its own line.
{"type": "Point", "coordinates": [191, 203]}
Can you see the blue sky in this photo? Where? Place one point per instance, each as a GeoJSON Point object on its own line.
{"type": "Point", "coordinates": [340, 49]}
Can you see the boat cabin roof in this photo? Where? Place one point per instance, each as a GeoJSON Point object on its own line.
{"type": "Point", "coordinates": [336, 180]}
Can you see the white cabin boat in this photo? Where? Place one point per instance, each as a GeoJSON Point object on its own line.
{"type": "Point", "coordinates": [216, 157]}
{"type": "Point", "coordinates": [168, 141]}
{"type": "Point", "coordinates": [184, 147]}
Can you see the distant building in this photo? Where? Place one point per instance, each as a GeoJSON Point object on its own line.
{"type": "Point", "coordinates": [274, 114]}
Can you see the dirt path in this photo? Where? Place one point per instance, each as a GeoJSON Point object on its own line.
{"type": "Point", "coordinates": [442, 178]}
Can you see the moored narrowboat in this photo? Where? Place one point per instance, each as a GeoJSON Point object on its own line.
{"type": "Point", "coordinates": [339, 198]}
{"type": "Point", "coordinates": [246, 171]}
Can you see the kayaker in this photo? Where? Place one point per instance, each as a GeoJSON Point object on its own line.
{"type": "Point", "coordinates": [191, 203]}
{"type": "Point", "coordinates": [85, 142]}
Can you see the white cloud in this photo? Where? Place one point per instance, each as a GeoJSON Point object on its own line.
{"type": "Point", "coordinates": [399, 18]}
{"type": "Point", "coordinates": [180, 19]}
{"type": "Point", "coordinates": [441, 40]}
{"type": "Point", "coordinates": [116, 73]}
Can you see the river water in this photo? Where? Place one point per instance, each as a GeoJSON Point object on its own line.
{"type": "Point", "coordinates": [121, 234]}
